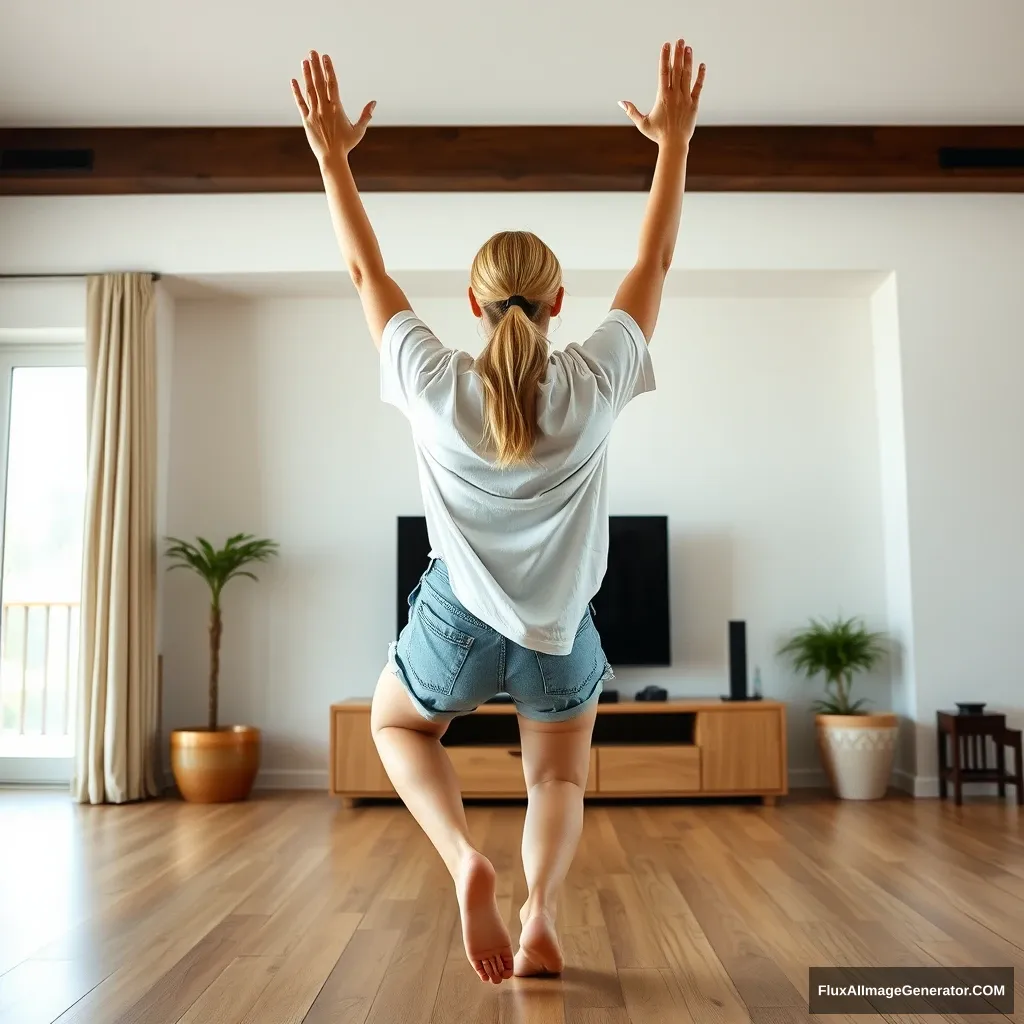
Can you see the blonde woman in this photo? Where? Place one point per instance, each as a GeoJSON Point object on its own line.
{"type": "Point", "coordinates": [511, 448]}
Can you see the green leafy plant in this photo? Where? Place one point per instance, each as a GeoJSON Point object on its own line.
{"type": "Point", "coordinates": [218, 568]}
{"type": "Point", "coordinates": [837, 649]}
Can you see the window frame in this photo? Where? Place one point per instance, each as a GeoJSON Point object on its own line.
{"type": "Point", "coordinates": [44, 768]}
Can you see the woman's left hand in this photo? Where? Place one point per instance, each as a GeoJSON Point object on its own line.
{"type": "Point", "coordinates": [329, 131]}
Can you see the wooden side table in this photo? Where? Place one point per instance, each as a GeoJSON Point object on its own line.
{"type": "Point", "coordinates": [968, 742]}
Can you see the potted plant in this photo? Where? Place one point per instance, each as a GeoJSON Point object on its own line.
{"type": "Point", "coordinates": [215, 763]}
{"type": "Point", "coordinates": [857, 748]}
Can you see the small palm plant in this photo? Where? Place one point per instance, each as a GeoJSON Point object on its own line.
{"type": "Point", "coordinates": [218, 568]}
{"type": "Point", "coordinates": [838, 650]}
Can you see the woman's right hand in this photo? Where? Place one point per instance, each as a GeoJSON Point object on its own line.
{"type": "Point", "coordinates": [674, 114]}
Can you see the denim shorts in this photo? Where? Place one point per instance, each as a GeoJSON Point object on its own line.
{"type": "Point", "coordinates": [450, 662]}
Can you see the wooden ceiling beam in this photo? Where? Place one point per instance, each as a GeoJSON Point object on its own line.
{"type": "Point", "coordinates": [542, 158]}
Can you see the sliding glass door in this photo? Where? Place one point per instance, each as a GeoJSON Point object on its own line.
{"type": "Point", "coordinates": [42, 487]}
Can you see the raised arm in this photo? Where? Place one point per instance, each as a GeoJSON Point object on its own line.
{"type": "Point", "coordinates": [670, 124]}
{"type": "Point", "coordinates": [332, 136]}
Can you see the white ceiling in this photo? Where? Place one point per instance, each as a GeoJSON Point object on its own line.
{"type": "Point", "coordinates": [211, 62]}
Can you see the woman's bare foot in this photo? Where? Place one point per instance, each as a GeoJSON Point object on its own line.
{"type": "Point", "coordinates": [539, 949]}
{"type": "Point", "coordinates": [484, 934]}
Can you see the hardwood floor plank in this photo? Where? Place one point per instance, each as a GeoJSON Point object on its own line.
{"type": "Point", "coordinates": [387, 914]}
{"type": "Point", "coordinates": [280, 933]}
{"type": "Point", "coordinates": [296, 984]}
{"type": "Point", "coordinates": [379, 859]}
{"type": "Point", "coordinates": [409, 987]}
{"type": "Point", "coordinates": [799, 1015]}
{"type": "Point", "coordinates": [784, 1015]}
{"type": "Point", "coordinates": [751, 969]}
{"type": "Point", "coordinates": [752, 906]}
{"type": "Point", "coordinates": [539, 1001]}
{"type": "Point", "coordinates": [580, 903]}
{"type": "Point", "coordinates": [180, 986]}
{"type": "Point", "coordinates": [462, 996]}
{"type": "Point", "coordinates": [274, 882]}
{"type": "Point", "coordinates": [633, 941]}
{"type": "Point", "coordinates": [652, 998]}
{"type": "Point", "coordinates": [949, 915]}
{"type": "Point", "coordinates": [590, 978]}
{"type": "Point", "coordinates": [151, 954]}
{"type": "Point", "coordinates": [349, 991]}
{"type": "Point", "coordinates": [595, 1015]}
{"type": "Point", "coordinates": [955, 954]}
{"type": "Point", "coordinates": [233, 992]}
{"type": "Point", "coordinates": [706, 987]}
{"type": "Point", "coordinates": [843, 868]}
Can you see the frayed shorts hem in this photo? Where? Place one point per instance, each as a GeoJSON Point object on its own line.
{"type": "Point", "coordinates": [533, 714]}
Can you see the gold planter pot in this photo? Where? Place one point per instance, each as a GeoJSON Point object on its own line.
{"type": "Point", "coordinates": [215, 766]}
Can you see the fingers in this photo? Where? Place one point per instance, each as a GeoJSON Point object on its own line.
{"type": "Point", "coordinates": [364, 117]}
{"type": "Point", "coordinates": [318, 78]}
{"type": "Point", "coordinates": [687, 76]}
{"type": "Point", "coordinates": [665, 69]}
{"type": "Point", "coordinates": [299, 101]}
{"type": "Point", "coordinates": [634, 115]}
{"type": "Point", "coordinates": [677, 64]}
{"type": "Point", "coordinates": [332, 79]}
{"type": "Point", "coordinates": [698, 85]}
{"type": "Point", "coordinates": [311, 97]}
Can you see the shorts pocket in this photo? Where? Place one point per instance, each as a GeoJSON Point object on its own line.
{"type": "Point", "coordinates": [566, 675]}
{"type": "Point", "coordinates": [435, 651]}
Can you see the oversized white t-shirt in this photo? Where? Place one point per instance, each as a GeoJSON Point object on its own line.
{"type": "Point", "coordinates": [526, 547]}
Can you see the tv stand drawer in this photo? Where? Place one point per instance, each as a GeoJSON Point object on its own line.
{"type": "Point", "coordinates": [648, 769]}
{"type": "Point", "coordinates": [498, 771]}
{"type": "Point", "coordinates": [489, 769]}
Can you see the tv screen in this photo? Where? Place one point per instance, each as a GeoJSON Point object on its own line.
{"type": "Point", "coordinates": [632, 606]}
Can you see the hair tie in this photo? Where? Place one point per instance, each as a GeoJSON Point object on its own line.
{"type": "Point", "coordinates": [518, 300]}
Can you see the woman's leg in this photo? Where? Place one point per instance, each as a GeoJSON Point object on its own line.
{"type": "Point", "coordinates": [421, 772]}
{"type": "Point", "coordinates": [556, 762]}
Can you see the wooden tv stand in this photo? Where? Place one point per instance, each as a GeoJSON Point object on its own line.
{"type": "Point", "coordinates": [675, 748]}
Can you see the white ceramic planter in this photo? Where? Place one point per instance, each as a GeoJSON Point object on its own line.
{"type": "Point", "coordinates": [858, 752]}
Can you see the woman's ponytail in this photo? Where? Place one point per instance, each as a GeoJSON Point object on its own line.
{"type": "Point", "coordinates": [515, 279]}
{"type": "Point", "coordinates": [511, 368]}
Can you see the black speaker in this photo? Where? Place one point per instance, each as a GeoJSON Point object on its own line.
{"type": "Point", "coordinates": [738, 662]}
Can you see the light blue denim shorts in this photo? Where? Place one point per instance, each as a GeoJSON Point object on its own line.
{"type": "Point", "coordinates": [450, 662]}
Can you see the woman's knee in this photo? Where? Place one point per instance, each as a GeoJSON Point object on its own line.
{"type": "Point", "coordinates": [572, 783]}
{"type": "Point", "coordinates": [557, 751]}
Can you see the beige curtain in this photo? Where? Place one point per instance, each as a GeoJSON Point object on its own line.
{"type": "Point", "coordinates": [116, 742]}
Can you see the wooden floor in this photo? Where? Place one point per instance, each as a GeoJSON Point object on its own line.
{"type": "Point", "coordinates": [290, 908]}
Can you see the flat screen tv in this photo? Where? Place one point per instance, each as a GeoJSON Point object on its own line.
{"type": "Point", "coordinates": [632, 606]}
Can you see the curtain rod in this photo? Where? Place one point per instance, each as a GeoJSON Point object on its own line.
{"type": "Point", "coordinates": [56, 277]}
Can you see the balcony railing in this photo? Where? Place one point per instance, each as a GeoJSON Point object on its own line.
{"type": "Point", "coordinates": [38, 668]}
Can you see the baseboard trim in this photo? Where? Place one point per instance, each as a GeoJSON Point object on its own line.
{"type": "Point", "coordinates": [293, 778]}
{"type": "Point", "coordinates": [38, 772]}
{"type": "Point", "coordinates": [55, 787]}
{"type": "Point", "coordinates": [926, 787]}
{"type": "Point", "coordinates": [799, 778]}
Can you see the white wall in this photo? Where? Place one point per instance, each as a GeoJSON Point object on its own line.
{"type": "Point", "coordinates": [760, 445]}
{"type": "Point", "coordinates": [958, 263]}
